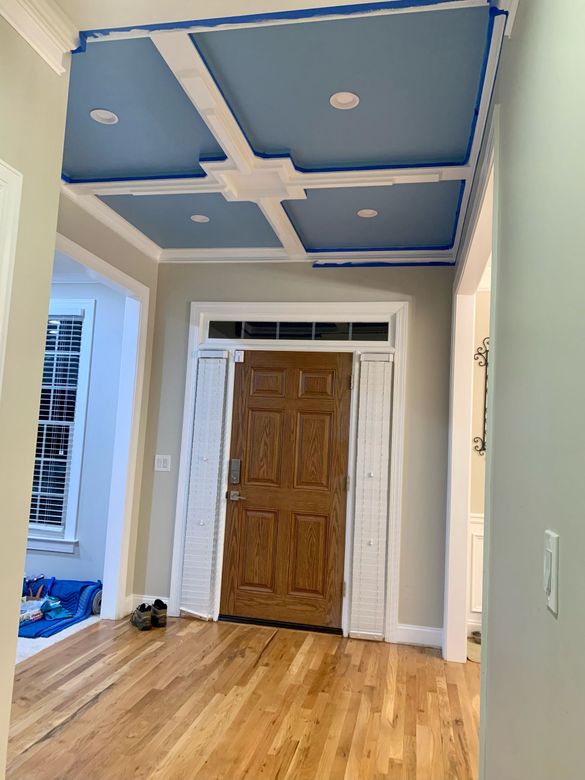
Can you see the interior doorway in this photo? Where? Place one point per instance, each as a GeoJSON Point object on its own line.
{"type": "Point", "coordinates": [468, 424]}
{"type": "Point", "coordinates": [83, 482]}
{"type": "Point", "coordinates": [285, 525]}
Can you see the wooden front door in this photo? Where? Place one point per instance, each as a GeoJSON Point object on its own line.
{"type": "Point", "coordinates": [285, 539]}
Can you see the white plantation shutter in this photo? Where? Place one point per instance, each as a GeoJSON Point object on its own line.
{"type": "Point", "coordinates": [204, 497]}
{"type": "Point", "coordinates": [60, 433]}
{"type": "Point", "coordinates": [371, 497]}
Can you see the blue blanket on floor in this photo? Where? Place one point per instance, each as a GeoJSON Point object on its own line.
{"type": "Point", "coordinates": [76, 597]}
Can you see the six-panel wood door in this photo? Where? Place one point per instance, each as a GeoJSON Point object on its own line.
{"type": "Point", "coordinates": [285, 540]}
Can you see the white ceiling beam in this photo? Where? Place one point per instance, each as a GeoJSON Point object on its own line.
{"type": "Point", "coordinates": [272, 178]}
{"type": "Point", "coordinates": [179, 186]}
{"type": "Point", "coordinates": [282, 226]}
{"type": "Point", "coordinates": [45, 27]}
{"type": "Point", "coordinates": [186, 64]}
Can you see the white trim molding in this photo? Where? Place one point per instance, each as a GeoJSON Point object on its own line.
{"type": "Point", "coordinates": [396, 313]}
{"type": "Point", "coordinates": [108, 217]}
{"type": "Point", "coordinates": [10, 196]}
{"type": "Point", "coordinates": [426, 636]}
{"type": "Point", "coordinates": [45, 544]}
{"type": "Point", "coordinates": [45, 27]}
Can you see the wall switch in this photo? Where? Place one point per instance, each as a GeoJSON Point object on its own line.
{"type": "Point", "coordinates": [162, 462]}
{"type": "Point", "coordinates": [551, 570]}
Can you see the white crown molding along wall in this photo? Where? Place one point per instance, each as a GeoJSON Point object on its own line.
{"type": "Point", "coordinates": [243, 176]}
{"type": "Point", "coordinates": [43, 26]}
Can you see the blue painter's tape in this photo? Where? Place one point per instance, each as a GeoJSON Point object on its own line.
{"type": "Point", "coordinates": [292, 15]}
{"type": "Point", "coordinates": [384, 264]}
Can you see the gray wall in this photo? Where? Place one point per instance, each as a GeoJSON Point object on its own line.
{"type": "Point", "coordinates": [534, 692]}
{"type": "Point", "coordinates": [88, 560]}
{"type": "Point", "coordinates": [429, 292]}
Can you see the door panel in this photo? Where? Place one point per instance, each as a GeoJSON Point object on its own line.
{"type": "Point", "coordinates": [308, 554]}
{"type": "Point", "coordinates": [264, 446]}
{"type": "Point", "coordinates": [285, 538]}
{"type": "Point", "coordinates": [258, 535]}
{"type": "Point", "coordinates": [312, 451]}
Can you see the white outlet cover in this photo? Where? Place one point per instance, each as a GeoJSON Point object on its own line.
{"type": "Point", "coordinates": [162, 462]}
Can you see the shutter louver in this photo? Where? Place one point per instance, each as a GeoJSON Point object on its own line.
{"type": "Point", "coordinates": [371, 498]}
{"type": "Point", "coordinates": [204, 499]}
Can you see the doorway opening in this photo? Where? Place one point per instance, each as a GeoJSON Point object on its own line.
{"type": "Point", "coordinates": [83, 483]}
{"type": "Point", "coordinates": [468, 424]}
{"type": "Point", "coordinates": [371, 340]}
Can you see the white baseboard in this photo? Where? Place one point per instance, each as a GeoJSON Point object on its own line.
{"type": "Point", "coordinates": [404, 634]}
{"type": "Point", "coordinates": [473, 625]}
{"type": "Point", "coordinates": [134, 599]}
{"type": "Point", "coordinates": [366, 635]}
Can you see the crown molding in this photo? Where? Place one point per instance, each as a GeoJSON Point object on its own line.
{"type": "Point", "coordinates": [510, 7]}
{"type": "Point", "coordinates": [45, 27]}
{"type": "Point", "coordinates": [238, 255]}
{"type": "Point", "coordinates": [108, 217]}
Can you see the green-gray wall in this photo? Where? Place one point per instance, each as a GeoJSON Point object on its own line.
{"type": "Point", "coordinates": [534, 692]}
{"type": "Point", "coordinates": [429, 291]}
{"type": "Point", "coordinates": [32, 118]}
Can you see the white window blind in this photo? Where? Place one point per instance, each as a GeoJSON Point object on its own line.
{"type": "Point", "coordinates": [204, 496]}
{"type": "Point", "coordinates": [61, 424]}
{"type": "Point", "coordinates": [368, 596]}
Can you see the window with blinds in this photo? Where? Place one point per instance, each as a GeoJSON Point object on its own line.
{"type": "Point", "coordinates": [59, 408]}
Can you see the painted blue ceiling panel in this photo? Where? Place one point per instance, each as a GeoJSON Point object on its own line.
{"type": "Point", "coordinates": [159, 132]}
{"type": "Point", "coordinates": [418, 77]}
{"type": "Point", "coordinates": [410, 216]}
{"type": "Point", "coordinates": [166, 220]}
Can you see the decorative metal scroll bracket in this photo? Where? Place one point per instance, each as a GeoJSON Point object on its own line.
{"type": "Point", "coordinates": [482, 357]}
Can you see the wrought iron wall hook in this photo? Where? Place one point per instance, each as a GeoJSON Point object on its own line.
{"type": "Point", "coordinates": [482, 357]}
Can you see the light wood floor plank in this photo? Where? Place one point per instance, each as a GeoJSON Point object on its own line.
{"type": "Point", "coordinates": [221, 701]}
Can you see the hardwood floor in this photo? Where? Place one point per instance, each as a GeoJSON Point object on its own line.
{"type": "Point", "coordinates": [219, 700]}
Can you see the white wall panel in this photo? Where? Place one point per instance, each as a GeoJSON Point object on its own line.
{"type": "Point", "coordinates": [203, 503]}
{"type": "Point", "coordinates": [371, 497]}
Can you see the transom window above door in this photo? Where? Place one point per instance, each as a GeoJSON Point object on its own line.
{"type": "Point", "coordinates": [295, 331]}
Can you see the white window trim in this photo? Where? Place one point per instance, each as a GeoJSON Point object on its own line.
{"type": "Point", "coordinates": [396, 313]}
{"type": "Point", "coordinates": [64, 539]}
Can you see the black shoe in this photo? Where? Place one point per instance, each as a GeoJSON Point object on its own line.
{"type": "Point", "coordinates": [142, 617]}
{"type": "Point", "coordinates": [159, 614]}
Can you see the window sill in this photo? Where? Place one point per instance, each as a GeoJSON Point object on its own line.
{"type": "Point", "coordinates": [45, 544]}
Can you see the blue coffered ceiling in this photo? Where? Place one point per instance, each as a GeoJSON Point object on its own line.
{"type": "Point", "coordinates": [166, 219]}
{"type": "Point", "coordinates": [417, 75]}
{"type": "Point", "coordinates": [159, 133]}
{"type": "Point", "coordinates": [231, 119]}
{"type": "Point", "coordinates": [410, 216]}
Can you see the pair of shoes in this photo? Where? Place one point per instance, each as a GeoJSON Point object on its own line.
{"type": "Point", "coordinates": [146, 616]}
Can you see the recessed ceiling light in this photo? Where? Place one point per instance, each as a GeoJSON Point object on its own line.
{"type": "Point", "coordinates": [199, 218]}
{"type": "Point", "coordinates": [344, 100]}
{"type": "Point", "coordinates": [367, 213]}
{"type": "Point", "coordinates": [104, 117]}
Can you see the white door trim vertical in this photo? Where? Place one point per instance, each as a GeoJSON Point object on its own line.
{"type": "Point", "coordinates": [397, 315]}
{"type": "Point", "coordinates": [125, 467]}
{"type": "Point", "coordinates": [10, 196]}
{"type": "Point", "coordinates": [476, 251]}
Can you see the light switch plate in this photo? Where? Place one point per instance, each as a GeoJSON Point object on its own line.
{"type": "Point", "coordinates": [162, 462]}
{"type": "Point", "coordinates": [551, 570]}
